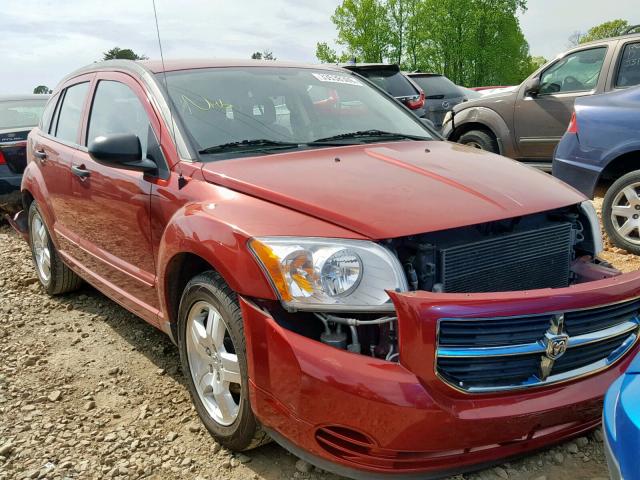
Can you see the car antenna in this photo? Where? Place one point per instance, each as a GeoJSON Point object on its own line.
{"type": "Point", "coordinates": [181, 180]}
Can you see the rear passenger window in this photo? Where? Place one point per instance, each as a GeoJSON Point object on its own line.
{"type": "Point", "coordinates": [629, 71]}
{"type": "Point", "coordinates": [70, 113]}
{"type": "Point", "coordinates": [116, 109]}
{"type": "Point", "coordinates": [45, 120]}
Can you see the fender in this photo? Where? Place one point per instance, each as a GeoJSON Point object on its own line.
{"type": "Point", "coordinates": [194, 230]}
{"type": "Point", "coordinates": [34, 184]}
{"type": "Point", "coordinates": [490, 119]}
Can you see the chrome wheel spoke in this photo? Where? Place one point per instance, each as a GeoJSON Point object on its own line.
{"type": "Point", "coordinates": [631, 194]}
{"type": "Point", "coordinates": [627, 228]}
{"type": "Point", "coordinates": [227, 405]}
{"type": "Point", "coordinates": [216, 329]}
{"type": "Point", "coordinates": [200, 340]}
{"type": "Point", "coordinates": [230, 368]}
{"type": "Point", "coordinates": [626, 211]}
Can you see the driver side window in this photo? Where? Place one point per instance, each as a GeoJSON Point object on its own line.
{"type": "Point", "coordinates": [116, 109]}
{"type": "Point", "coordinates": [577, 72]}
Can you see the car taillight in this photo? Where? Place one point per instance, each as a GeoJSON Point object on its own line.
{"type": "Point", "coordinates": [2, 160]}
{"type": "Point", "coordinates": [415, 103]}
{"type": "Point", "coordinates": [573, 124]}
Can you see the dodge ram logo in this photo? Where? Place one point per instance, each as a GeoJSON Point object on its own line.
{"type": "Point", "coordinates": [557, 346]}
{"type": "Point", "coordinates": [555, 342]}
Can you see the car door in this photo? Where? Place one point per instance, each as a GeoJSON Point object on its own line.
{"type": "Point", "coordinates": [54, 146]}
{"type": "Point", "coordinates": [112, 205]}
{"type": "Point", "coordinates": [541, 119]}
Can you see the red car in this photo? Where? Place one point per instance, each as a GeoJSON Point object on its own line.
{"type": "Point", "coordinates": [381, 303]}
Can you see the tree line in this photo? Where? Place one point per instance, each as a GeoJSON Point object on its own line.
{"type": "Point", "coordinates": [473, 42]}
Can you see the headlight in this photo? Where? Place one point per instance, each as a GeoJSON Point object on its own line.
{"type": "Point", "coordinates": [447, 117]}
{"type": "Point", "coordinates": [329, 274]}
{"type": "Point", "coordinates": [590, 212]}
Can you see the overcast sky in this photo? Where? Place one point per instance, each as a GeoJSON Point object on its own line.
{"type": "Point", "coordinates": [43, 40]}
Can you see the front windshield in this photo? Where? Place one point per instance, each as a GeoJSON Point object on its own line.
{"type": "Point", "coordinates": [221, 106]}
{"type": "Point", "coordinates": [21, 113]}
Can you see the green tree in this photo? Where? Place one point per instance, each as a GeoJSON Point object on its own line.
{"type": "Point", "coordinates": [473, 42]}
{"type": "Point", "coordinates": [325, 53]}
{"type": "Point", "coordinates": [265, 55]}
{"type": "Point", "coordinates": [612, 28]}
{"type": "Point", "coordinates": [42, 89]}
{"type": "Point", "coordinates": [537, 62]}
{"type": "Point", "coordinates": [363, 28]}
{"type": "Point", "coordinates": [122, 53]}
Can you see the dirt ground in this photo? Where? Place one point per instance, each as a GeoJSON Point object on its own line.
{"type": "Point", "coordinates": [87, 390]}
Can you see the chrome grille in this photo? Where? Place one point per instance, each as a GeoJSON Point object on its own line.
{"type": "Point", "coordinates": [503, 353]}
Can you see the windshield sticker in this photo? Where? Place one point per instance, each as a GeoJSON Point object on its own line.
{"type": "Point", "coordinates": [333, 78]}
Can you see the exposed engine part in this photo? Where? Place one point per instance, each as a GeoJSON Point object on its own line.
{"type": "Point", "coordinates": [523, 253]}
{"type": "Point", "coordinates": [385, 338]}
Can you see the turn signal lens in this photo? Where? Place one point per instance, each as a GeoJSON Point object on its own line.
{"type": "Point", "coordinates": [271, 263]}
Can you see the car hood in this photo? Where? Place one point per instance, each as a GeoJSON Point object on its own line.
{"type": "Point", "coordinates": [489, 99]}
{"type": "Point", "coordinates": [395, 189]}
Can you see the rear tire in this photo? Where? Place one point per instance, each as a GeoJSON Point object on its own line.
{"type": "Point", "coordinates": [213, 357]}
{"type": "Point", "coordinates": [54, 275]}
{"type": "Point", "coordinates": [481, 140]}
{"type": "Point", "coordinates": [623, 230]}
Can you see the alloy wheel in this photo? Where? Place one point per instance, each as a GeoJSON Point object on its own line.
{"type": "Point", "coordinates": [213, 363]}
{"type": "Point", "coordinates": [41, 251]}
{"type": "Point", "coordinates": [625, 213]}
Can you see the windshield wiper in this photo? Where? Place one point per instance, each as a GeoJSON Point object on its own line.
{"type": "Point", "coordinates": [364, 134]}
{"type": "Point", "coordinates": [262, 143]}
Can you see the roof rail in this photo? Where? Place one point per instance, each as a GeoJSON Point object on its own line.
{"type": "Point", "coordinates": [631, 29]}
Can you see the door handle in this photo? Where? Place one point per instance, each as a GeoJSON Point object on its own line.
{"type": "Point", "coordinates": [40, 154]}
{"type": "Point", "coordinates": [80, 171]}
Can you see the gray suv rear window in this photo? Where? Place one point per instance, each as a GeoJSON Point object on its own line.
{"type": "Point", "coordinates": [629, 71]}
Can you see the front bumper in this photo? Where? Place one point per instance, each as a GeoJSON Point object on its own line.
{"type": "Point", "coordinates": [367, 418]}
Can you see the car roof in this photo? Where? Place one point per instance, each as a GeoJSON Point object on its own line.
{"type": "Point", "coordinates": [609, 39]}
{"type": "Point", "coordinates": [158, 66]}
{"type": "Point", "coordinates": [26, 96]}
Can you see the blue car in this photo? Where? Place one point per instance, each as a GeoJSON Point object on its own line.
{"type": "Point", "coordinates": [600, 148]}
{"type": "Point", "coordinates": [622, 425]}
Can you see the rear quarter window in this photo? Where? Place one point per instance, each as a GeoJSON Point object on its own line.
{"type": "Point", "coordinates": [629, 70]}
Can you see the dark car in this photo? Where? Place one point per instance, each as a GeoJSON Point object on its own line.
{"type": "Point", "coordinates": [527, 122]}
{"type": "Point", "coordinates": [390, 79]}
{"type": "Point", "coordinates": [440, 94]}
{"type": "Point", "coordinates": [18, 115]}
{"type": "Point", "coordinates": [335, 275]}
{"type": "Point", "coordinates": [601, 145]}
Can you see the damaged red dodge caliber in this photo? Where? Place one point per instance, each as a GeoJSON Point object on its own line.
{"type": "Point", "coordinates": [380, 302]}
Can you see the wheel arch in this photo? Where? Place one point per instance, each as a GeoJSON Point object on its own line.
{"type": "Point", "coordinates": [483, 118]}
{"type": "Point", "coordinates": [619, 165]}
{"type": "Point", "coordinates": [195, 242]}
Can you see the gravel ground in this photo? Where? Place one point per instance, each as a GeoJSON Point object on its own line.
{"type": "Point", "coordinates": [87, 390]}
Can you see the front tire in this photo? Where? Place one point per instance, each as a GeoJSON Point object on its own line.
{"type": "Point", "coordinates": [54, 275]}
{"type": "Point", "coordinates": [479, 139]}
{"type": "Point", "coordinates": [213, 357]}
{"type": "Point", "coordinates": [621, 212]}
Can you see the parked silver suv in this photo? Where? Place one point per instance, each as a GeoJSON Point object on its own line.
{"type": "Point", "coordinates": [527, 123]}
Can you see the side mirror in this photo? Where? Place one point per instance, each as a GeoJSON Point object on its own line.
{"type": "Point", "coordinates": [120, 150]}
{"type": "Point", "coordinates": [532, 88]}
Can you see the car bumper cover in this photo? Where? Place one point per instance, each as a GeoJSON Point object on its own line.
{"type": "Point", "coordinates": [368, 418]}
